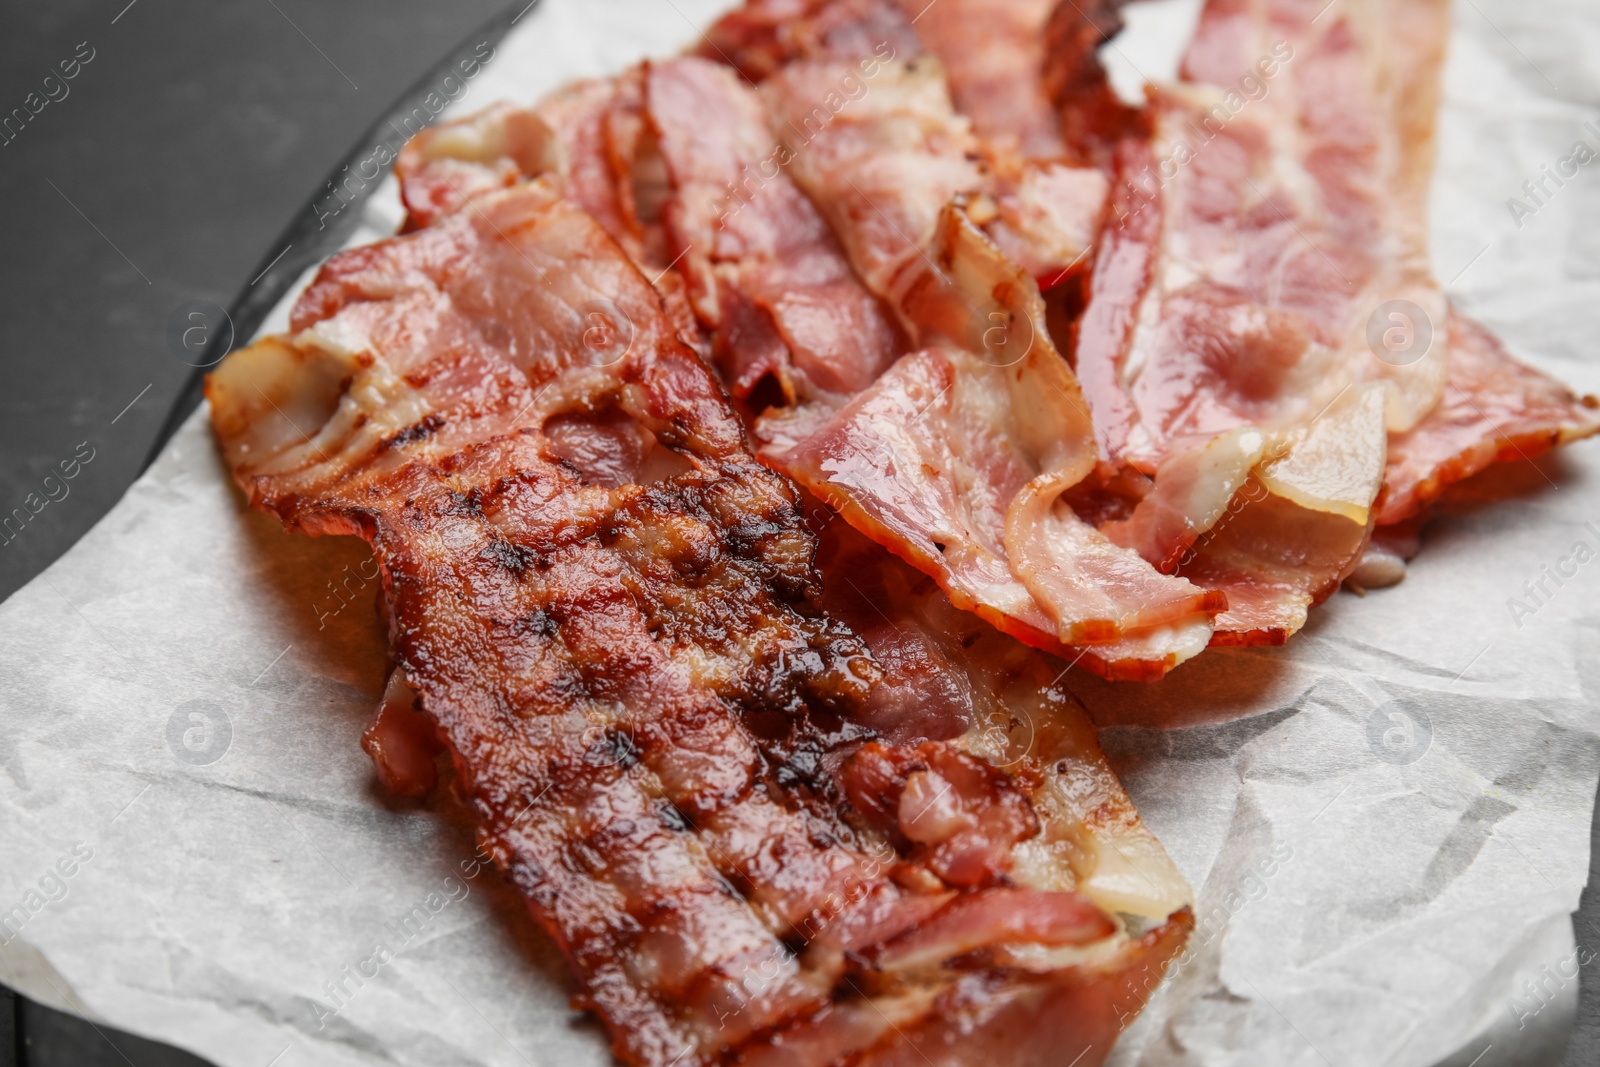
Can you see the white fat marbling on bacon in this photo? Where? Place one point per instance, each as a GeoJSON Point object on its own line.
{"type": "Point", "coordinates": [588, 139]}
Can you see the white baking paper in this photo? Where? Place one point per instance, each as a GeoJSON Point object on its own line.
{"type": "Point", "coordinates": [1387, 822]}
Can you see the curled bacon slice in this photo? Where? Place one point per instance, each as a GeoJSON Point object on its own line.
{"type": "Point", "coordinates": [1494, 410]}
{"type": "Point", "coordinates": [445, 166]}
{"type": "Point", "coordinates": [882, 169]}
{"type": "Point", "coordinates": [606, 607]}
{"type": "Point", "coordinates": [956, 458]}
{"type": "Point", "coordinates": [996, 76]}
{"type": "Point", "coordinates": [763, 36]}
{"type": "Point", "coordinates": [1012, 65]}
{"type": "Point", "coordinates": [1038, 200]}
{"type": "Point", "coordinates": [586, 134]}
{"type": "Point", "coordinates": [1276, 520]}
{"type": "Point", "coordinates": [1042, 199]}
{"type": "Point", "coordinates": [1094, 120]}
{"type": "Point", "coordinates": [947, 675]}
{"type": "Point", "coordinates": [402, 741]}
{"type": "Point", "coordinates": [1232, 296]}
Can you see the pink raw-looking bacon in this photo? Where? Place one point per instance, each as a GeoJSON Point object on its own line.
{"type": "Point", "coordinates": [1242, 411]}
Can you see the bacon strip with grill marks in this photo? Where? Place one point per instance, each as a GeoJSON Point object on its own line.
{"type": "Point", "coordinates": [606, 606]}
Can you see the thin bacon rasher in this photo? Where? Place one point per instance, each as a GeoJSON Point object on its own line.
{"type": "Point", "coordinates": [1248, 411]}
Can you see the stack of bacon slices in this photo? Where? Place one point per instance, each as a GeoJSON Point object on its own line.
{"type": "Point", "coordinates": [727, 430]}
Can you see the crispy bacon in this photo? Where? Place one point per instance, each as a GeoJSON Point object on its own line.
{"type": "Point", "coordinates": [1225, 300]}
{"type": "Point", "coordinates": [581, 133]}
{"type": "Point", "coordinates": [1045, 194]}
{"type": "Point", "coordinates": [947, 675]}
{"type": "Point", "coordinates": [764, 36]}
{"type": "Point", "coordinates": [607, 607]}
{"type": "Point", "coordinates": [1094, 122]}
{"type": "Point", "coordinates": [883, 168]}
{"type": "Point", "coordinates": [768, 280]}
{"type": "Point", "coordinates": [447, 165]}
{"type": "Point", "coordinates": [772, 285]}
{"type": "Point", "coordinates": [1015, 67]}
{"type": "Point", "coordinates": [402, 741]}
{"type": "Point", "coordinates": [784, 798]}
{"type": "Point", "coordinates": [996, 75]}
{"type": "Point", "coordinates": [1228, 300]}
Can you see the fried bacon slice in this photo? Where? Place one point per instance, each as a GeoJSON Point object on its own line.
{"type": "Point", "coordinates": [930, 460]}
{"type": "Point", "coordinates": [1041, 205]}
{"type": "Point", "coordinates": [776, 300]}
{"type": "Point", "coordinates": [1280, 206]}
{"type": "Point", "coordinates": [589, 138]}
{"type": "Point", "coordinates": [1255, 280]}
{"type": "Point", "coordinates": [1013, 66]}
{"type": "Point", "coordinates": [1225, 298]}
{"type": "Point", "coordinates": [586, 134]}
{"type": "Point", "coordinates": [957, 457]}
{"type": "Point", "coordinates": [949, 675]}
{"type": "Point", "coordinates": [882, 169]}
{"type": "Point", "coordinates": [923, 456]}
{"type": "Point", "coordinates": [1094, 121]}
{"type": "Point", "coordinates": [763, 36]}
{"type": "Point", "coordinates": [1495, 410]}
{"type": "Point", "coordinates": [767, 276]}
{"type": "Point", "coordinates": [996, 75]}
{"type": "Point", "coordinates": [778, 297]}
{"type": "Point", "coordinates": [610, 613]}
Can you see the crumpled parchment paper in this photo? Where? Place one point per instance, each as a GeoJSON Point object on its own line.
{"type": "Point", "coordinates": [1386, 822]}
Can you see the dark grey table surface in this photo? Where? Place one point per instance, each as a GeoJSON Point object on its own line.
{"type": "Point", "coordinates": [176, 157]}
